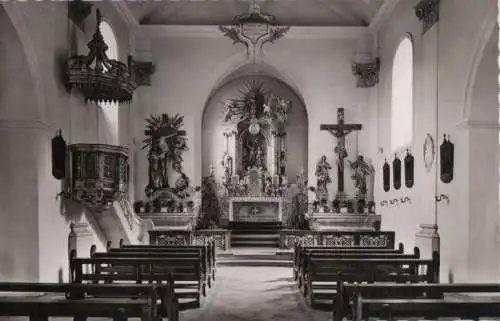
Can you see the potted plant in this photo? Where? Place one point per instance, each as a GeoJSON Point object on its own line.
{"type": "Point", "coordinates": [170, 204]}
{"type": "Point", "coordinates": [157, 205]}
{"type": "Point", "coordinates": [350, 206]}
{"type": "Point", "coordinates": [315, 205]}
{"type": "Point", "coordinates": [361, 206]}
{"type": "Point", "coordinates": [138, 206]}
{"type": "Point", "coordinates": [336, 206]}
{"type": "Point", "coordinates": [147, 207]}
{"type": "Point", "coordinates": [190, 206]}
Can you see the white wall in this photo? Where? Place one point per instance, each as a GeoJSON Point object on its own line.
{"type": "Point", "coordinates": [34, 104]}
{"type": "Point", "coordinates": [189, 69]}
{"type": "Point", "coordinates": [455, 71]}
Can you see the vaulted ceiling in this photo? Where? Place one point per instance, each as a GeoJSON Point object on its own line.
{"type": "Point", "coordinates": [287, 12]}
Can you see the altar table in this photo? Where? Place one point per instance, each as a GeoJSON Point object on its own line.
{"type": "Point", "coordinates": [256, 209]}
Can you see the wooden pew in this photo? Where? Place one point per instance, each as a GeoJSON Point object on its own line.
{"type": "Point", "coordinates": [300, 251]}
{"type": "Point", "coordinates": [308, 255]}
{"type": "Point", "coordinates": [167, 253]}
{"type": "Point", "coordinates": [323, 274]}
{"type": "Point", "coordinates": [39, 301]}
{"type": "Point", "coordinates": [374, 300]}
{"type": "Point", "coordinates": [432, 309]}
{"type": "Point", "coordinates": [183, 273]}
{"type": "Point", "coordinates": [209, 251]}
{"type": "Point", "coordinates": [299, 258]}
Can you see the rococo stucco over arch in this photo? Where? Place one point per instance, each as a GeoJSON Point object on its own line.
{"type": "Point", "coordinates": [238, 63]}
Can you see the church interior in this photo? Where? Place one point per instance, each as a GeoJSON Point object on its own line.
{"type": "Point", "coordinates": [250, 159]}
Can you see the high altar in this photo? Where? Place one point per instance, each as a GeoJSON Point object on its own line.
{"type": "Point", "coordinates": [255, 182]}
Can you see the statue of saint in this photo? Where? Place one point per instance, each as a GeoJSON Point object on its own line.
{"type": "Point", "coordinates": [301, 181]}
{"type": "Point", "coordinates": [259, 158]}
{"type": "Point", "coordinates": [361, 170]}
{"type": "Point", "coordinates": [227, 163]}
{"type": "Point", "coordinates": [322, 174]}
{"type": "Point", "coordinates": [157, 179]}
{"type": "Point", "coordinates": [211, 170]}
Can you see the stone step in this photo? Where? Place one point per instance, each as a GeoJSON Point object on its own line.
{"type": "Point", "coordinates": [254, 228]}
{"type": "Point", "coordinates": [253, 243]}
{"type": "Point", "coordinates": [265, 257]}
{"type": "Point", "coordinates": [243, 236]}
{"type": "Point", "coordinates": [234, 262]}
{"type": "Point", "coordinates": [254, 231]}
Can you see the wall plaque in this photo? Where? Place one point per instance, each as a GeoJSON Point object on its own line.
{"type": "Point", "coordinates": [386, 174]}
{"type": "Point", "coordinates": [396, 172]}
{"type": "Point", "coordinates": [409, 162]}
{"type": "Point", "coordinates": [446, 151]}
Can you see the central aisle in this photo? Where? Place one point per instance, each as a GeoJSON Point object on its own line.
{"type": "Point", "coordinates": [254, 294]}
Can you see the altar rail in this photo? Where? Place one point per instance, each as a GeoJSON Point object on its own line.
{"type": "Point", "coordinates": [221, 237]}
{"type": "Point", "coordinates": [377, 239]}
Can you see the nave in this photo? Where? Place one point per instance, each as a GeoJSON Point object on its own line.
{"type": "Point", "coordinates": [255, 293]}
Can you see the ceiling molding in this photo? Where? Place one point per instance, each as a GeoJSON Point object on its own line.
{"type": "Point", "coordinates": [382, 14]}
{"type": "Point", "coordinates": [297, 32]}
{"type": "Point", "coordinates": [125, 14]}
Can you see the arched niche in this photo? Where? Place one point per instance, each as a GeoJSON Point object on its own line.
{"type": "Point", "coordinates": [213, 125]}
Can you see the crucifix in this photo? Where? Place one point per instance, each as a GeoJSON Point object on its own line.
{"type": "Point", "coordinates": [340, 131]}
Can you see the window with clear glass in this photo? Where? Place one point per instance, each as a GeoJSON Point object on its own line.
{"type": "Point", "coordinates": [402, 96]}
{"type": "Point", "coordinates": [108, 117]}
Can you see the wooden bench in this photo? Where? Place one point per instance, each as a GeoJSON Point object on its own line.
{"type": "Point", "coordinates": [300, 251]}
{"type": "Point", "coordinates": [430, 309]}
{"type": "Point", "coordinates": [184, 274]}
{"type": "Point", "coordinates": [407, 300]}
{"type": "Point", "coordinates": [168, 253]}
{"type": "Point", "coordinates": [309, 255]}
{"type": "Point", "coordinates": [39, 301]}
{"type": "Point", "coordinates": [323, 274]}
{"type": "Point", "coordinates": [208, 251]}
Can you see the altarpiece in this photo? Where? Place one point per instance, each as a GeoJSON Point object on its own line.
{"type": "Point", "coordinates": [254, 161]}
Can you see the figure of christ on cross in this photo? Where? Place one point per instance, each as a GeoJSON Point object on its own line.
{"type": "Point", "coordinates": [340, 130]}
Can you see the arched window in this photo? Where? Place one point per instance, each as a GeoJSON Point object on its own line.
{"type": "Point", "coordinates": [402, 96]}
{"type": "Point", "coordinates": [108, 116]}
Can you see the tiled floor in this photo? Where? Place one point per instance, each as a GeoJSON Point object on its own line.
{"type": "Point", "coordinates": [254, 293]}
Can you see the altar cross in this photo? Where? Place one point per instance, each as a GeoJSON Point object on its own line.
{"type": "Point", "coordinates": [340, 130]}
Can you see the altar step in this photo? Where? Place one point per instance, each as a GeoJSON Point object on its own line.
{"type": "Point", "coordinates": [255, 257]}
{"type": "Point", "coordinates": [255, 234]}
